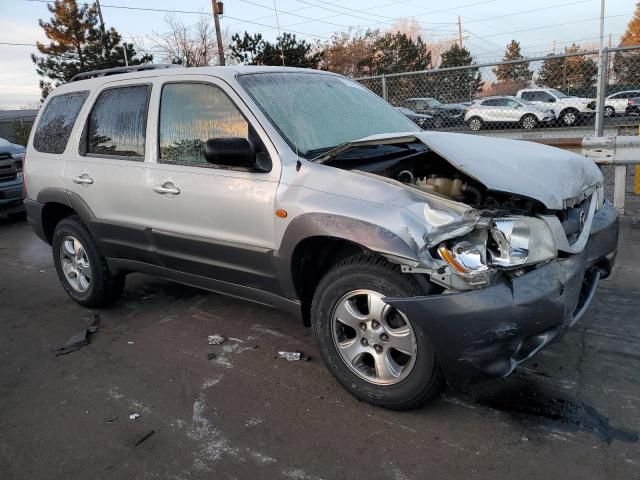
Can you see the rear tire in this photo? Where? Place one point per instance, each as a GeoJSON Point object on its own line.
{"type": "Point", "coordinates": [81, 268]}
{"type": "Point", "coordinates": [475, 124]}
{"type": "Point", "coordinates": [609, 111]}
{"type": "Point", "coordinates": [380, 374]}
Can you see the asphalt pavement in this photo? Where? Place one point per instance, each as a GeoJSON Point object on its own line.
{"type": "Point", "coordinates": [148, 397]}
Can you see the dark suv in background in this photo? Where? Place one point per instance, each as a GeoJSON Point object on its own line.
{"type": "Point", "coordinates": [444, 114]}
{"type": "Point", "coordinates": [11, 196]}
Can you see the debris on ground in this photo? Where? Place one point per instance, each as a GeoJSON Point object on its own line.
{"type": "Point", "coordinates": [216, 339]}
{"type": "Point", "coordinates": [211, 356]}
{"type": "Point", "coordinates": [131, 343]}
{"type": "Point", "coordinates": [144, 438]}
{"type": "Point", "coordinates": [134, 415]}
{"type": "Point", "coordinates": [80, 339]}
{"type": "Point", "coordinates": [293, 356]}
{"type": "Point", "coordinates": [111, 419]}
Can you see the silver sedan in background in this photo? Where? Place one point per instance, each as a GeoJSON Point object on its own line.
{"type": "Point", "coordinates": [506, 111]}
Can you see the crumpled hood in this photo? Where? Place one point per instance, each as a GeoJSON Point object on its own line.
{"type": "Point", "coordinates": [547, 174]}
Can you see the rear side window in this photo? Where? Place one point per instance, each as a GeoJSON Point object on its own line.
{"type": "Point", "coordinates": [192, 113]}
{"type": "Point", "coordinates": [56, 122]}
{"type": "Point", "coordinates": [118, 122]}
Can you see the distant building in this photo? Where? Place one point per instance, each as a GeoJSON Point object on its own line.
{"type": "Point", "coordinates": [10, 119]}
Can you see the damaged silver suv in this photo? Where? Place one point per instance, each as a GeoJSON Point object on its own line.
{"type": "Point", "coordinates": [417, 258]}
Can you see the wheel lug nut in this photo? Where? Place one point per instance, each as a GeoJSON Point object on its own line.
{"type": "Point", "coordinates": [384, 337]}
{"type": "Point", "coordinates": [374, 324]}
{"type": "Point", "coordinates": [363, 326]}
{"type": "Point", "coordinates": [377, 348]}
{"type": "Point", "coordinates": [364, 342]}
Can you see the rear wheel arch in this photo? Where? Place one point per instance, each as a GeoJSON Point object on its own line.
{"type": "Point", "coordinates": [52, 214]}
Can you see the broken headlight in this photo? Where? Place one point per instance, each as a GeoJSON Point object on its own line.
{"type": "Point", "coordinates": [517, 241]}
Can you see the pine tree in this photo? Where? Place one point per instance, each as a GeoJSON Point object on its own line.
{"type": "Point", "coordinates": [626, 64]}
{"type": "Point", "coordinates": [513, 72]}
{"type": "Point", "coordinates": [397, 53]}
{"type": "Point", "coordinates": [569, 74]}
{"type": "Point", "coordinates": [77, 45]}
{"type": "Point", "coordinates": [254, 50]}
{"type": "Point", "coordinates": [457, 85]}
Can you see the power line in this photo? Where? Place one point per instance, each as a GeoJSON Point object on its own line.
{"type": "Point", "coordinates": [163, 10]}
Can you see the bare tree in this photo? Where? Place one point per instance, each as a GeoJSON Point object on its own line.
{"type": "Point", "coordinates": [188, 45]}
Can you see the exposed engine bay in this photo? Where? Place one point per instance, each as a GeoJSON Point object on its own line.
{"type": "Point", "coordinates": [415, 165]}
{"type": "Point", "coordinates": [511, 233]}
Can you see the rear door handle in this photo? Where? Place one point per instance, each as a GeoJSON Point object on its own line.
{"type": "Point", "coordinates": [84, 179]}
{"type": "Point", "coordinates": [167, 188]}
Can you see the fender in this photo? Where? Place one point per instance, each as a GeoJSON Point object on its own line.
{"type": "Point", "coordinates": [308, 225]}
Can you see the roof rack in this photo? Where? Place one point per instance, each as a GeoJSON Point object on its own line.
{"type": "Point", "coordinates": [119, 70]}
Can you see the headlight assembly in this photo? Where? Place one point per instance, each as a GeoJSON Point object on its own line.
{"type": "Point", "coordinates": [517, 241]}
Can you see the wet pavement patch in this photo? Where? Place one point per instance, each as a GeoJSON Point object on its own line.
{"type": "Point", "coordinates": [531, 402]}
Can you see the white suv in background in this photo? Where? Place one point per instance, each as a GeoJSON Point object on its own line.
{"type": "Point", "coordinates": [568, 110]}
{"type": "Point", "coordinates": [617, 103]}
{"type": "Point", "coordinates": [505, 111]}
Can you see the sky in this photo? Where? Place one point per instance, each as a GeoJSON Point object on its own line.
{"type": "Point", "coordinates": [488, 25]}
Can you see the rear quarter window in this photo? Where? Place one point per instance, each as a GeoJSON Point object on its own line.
{"type": "Point", "coordinates": [56, 122]}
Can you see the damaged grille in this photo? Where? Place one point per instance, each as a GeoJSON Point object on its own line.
{"type": "Point", "coordinates": [573, 220]}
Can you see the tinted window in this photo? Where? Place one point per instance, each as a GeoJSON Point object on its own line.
{"type": "Point", "coordinates": [118, 122]}
{"type": "Point", "coordinates": [528, 95]}
{"type": "Point", "coordinates": [490, 103]}
{"type": "Point", "coordinates": [57, 121]}
{"type": "Point", "coordinates": [192, 113]}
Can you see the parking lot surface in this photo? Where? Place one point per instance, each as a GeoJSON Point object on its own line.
{"type": "Point", "coordinates": [235, 410]}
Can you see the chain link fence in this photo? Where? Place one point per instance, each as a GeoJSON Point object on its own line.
{"type": "Point", "coordinates": [543, 97]}
{"type": "Point", "coordinates": [551, 92]}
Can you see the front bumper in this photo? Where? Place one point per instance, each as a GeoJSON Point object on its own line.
{"type": "Point", "coordinates": [490, 331]}
{"type": "Point", "coordinates": [11, 197]}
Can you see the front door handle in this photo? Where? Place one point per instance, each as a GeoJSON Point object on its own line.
{"type": "Point", "coordinates": [167, 188]}
{"type": "Point", "coordinates": [84, 179]}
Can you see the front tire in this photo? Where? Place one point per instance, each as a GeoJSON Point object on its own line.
{"type": "Point", "coordinates": [475, 124]}
{"type": "Point", "coordinates": [372, 349]}
{"type": "Point", "coordinates": [529, 122]}
{"type": "Point", "coordinates": [569, 117]}
{"type": "Point", "coordinates": [609, 111]}
{"type": "Point", "coordinates": [81, 268]}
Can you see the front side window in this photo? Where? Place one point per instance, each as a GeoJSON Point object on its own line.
{"type": "Point", "coordinates": [56, 122]}
{"type": "Point", "coordinates": [490, 103]}
{"type": "Point", "coordinates": [529, 96]}
{"type": "Point", "coordinates": [192, 113]}
{"type": "Point", "coordinates": [118, 122]}
{"type": "Point", "coordinates": [315, 112]}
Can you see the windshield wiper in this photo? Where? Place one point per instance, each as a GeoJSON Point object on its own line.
{"type": "Point", "coordinates": [316, 152]}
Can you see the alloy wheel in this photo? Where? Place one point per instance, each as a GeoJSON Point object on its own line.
{"type": "Point", "coordinates": [375, 340]}
{"type": "Point", "coordinates": [75, 264]}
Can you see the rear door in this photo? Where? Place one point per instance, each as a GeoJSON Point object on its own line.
{"type": "Point", "coordinates": [107, 172]}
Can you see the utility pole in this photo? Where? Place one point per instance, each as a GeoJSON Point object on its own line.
{"type": "Point", "coordinates": [103, 32]}
{"type": "Point", "coordinates": [554, 47]}
{"type": "Point", "coordinates": [216, 21]}
{"type": "Point", "coordinates": [459, 31]}
{"type": "Point", "coordinates": [599, 123]}
{"type": "Point", "coordinates": [124, 51]}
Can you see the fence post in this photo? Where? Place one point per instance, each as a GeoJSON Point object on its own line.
{"type": "Point", "coordinates": [603, 67]}
{"type": "Point", "coordinates": [385, 93]}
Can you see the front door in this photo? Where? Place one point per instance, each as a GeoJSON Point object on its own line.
{"type": "Point", "coordinates": [210, 220]}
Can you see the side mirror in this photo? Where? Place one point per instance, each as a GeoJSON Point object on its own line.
{"type": "Point", "coordinates": [235, 152]}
